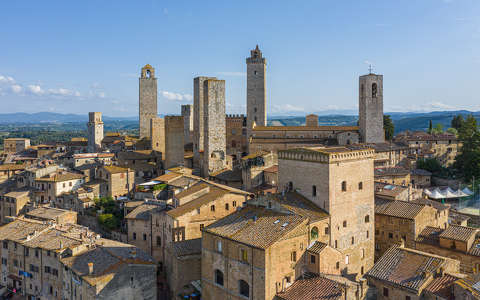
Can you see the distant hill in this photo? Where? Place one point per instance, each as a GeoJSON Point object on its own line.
{"type": "Point", "coordinates": [402, 120]}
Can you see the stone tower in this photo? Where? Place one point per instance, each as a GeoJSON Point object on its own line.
{"type": "Point", "coordinates": [256, 89]}
{"type": "Point", "coordinates": [370, 106]}
{"type": "Point", "coordinates": [187, 114]}
{"type": "Point", "coordinates": [214, 134]}
{"type": "Point", "coordinates": [167, 137]}
{"type": "Point", "coordinates": [95, 131]}
{"type": "Point", "coordinates": [198, 103]}
{"type": "Point", "coordinates": [147, 100]}
{"type": "Point", "coordinates": [340, 181]}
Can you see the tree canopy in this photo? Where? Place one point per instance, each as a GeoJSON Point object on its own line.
{"type": "Point", "coordinates": [468, 159]}
{"type": "Point", "coordinates": [388, 127]}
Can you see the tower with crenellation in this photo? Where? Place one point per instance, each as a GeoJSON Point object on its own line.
{"type": "Point", "coordinates": [256, 90]}
{"type": "Point", "coordinates": [147, 100]}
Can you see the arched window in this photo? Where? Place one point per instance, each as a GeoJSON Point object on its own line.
{"type": "Point", "coordinates": [219, 277]}
{"type": "Point", "coordinates": [244, 288]}
{"type": "Point", "coordinates": [344, 186]}
{"type": "Point", "coordinates": [148, 74]}
{"type": "Point", "coordinates": [374, 90]}
{"type": "Point", "coordinates": [314, 233]}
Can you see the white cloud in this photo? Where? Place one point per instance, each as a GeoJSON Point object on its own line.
{"type": "Point", "coordinates": [176, 96]}
{"type": "Point", "coordinates": [17, 89]}
{"type": "Point", "coordinates": [6, 79]}
{"type": "Point", "coordinates": [426, 107]}
{"type": "Point", "coordinates": [287, 108]}
{"type": "Point", "coordinates": [35, 89]}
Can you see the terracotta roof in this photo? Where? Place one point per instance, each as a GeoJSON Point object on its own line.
{"type": "Point", "coordinates": [228, 175]}
{"type": "Point", "coordinates": [397, 208]}
{"type": "Point", "coordinates": [421, 172]}
{"type": "Point", "coordinates": [143, 212]}
{"type": "Point", "coordinates": [60, 176]}
{"type": "Point", "coordinates": [256, 154]}
{"type": "Point", "coordinates": [437, 205]}
{"type": "Point", "coordinates": [317, 288]}
{"type": "Point", "coordinates": [458, 233]}
{"type": "Point", "coordinates": [470, 284]}
{"type": "Point", "coordinates": [198, 187]}
{"type": "Point", "coordinates": [298, 204]}
{"type": "Point", "coordinates": [213, 194]}
{"type": "Point", "coordinates": [19, 229]}
{"type": "Point", "coordinates": [316, 247]}
{"type": "Point", "coordinates": [115, 169]}
{"type": "Point", "coordinates": [168, 177]}
{"type": "Point", "coordinates": [406, 268]}
{"type": "Point", "coordinates": [272, 169]}
{"type": "Point", "coordinates": [47, 213]}
{"type": "Point", "coordinates": [306, 128]}
{"type": "Point", "coordinates": [12, 167]}
{"type": "Point", "coordinates": [442, 286]}
{"type": "Point", "coordinates": [387, 147]}
{"type": "Point", "coordinates": [188, 247]}
{"type": "Point", "coordinates": [429, 235]}
{"type": "Point", "coordinates": [388, 190]}
{"type": "Point", "coordinates": [396, 171]}
{"type": "Point", "coordinates": [256, 226]}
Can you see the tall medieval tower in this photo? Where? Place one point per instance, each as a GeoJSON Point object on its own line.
{"type": "Point", "coordinates": [198, 121]}
{"type": "Point", "coordinates": [256, 89]}
{"type": "Point", "coordinates": [370, 105]}
{"type": "Point", "coordinates": [95, 131]}
{"type": "Point", "coordinates": [147, 99]}
{"type": "Point", "coordinates": [214, 131]}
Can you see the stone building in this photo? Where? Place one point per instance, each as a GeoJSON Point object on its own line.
{"type": "Point", "coordinates": [13, 203]}
{"type": "Point", "coordinates": [466, 288]}
{"type": "Point", "coordinates": [421, 178]}
{"type": "Point", "coordinates": [401, 220]}
{"type": "Point", "coordinates": [157, 227]}
{"type": "Point", "coordinates": [54, 184]}
{"type": "Point", "coordinates": [256, 89]}
{"type": "Point", "coordinates": [116, 181]}
{"type": "Point", "coordinates": [457, 242]}
{"type": "Point", "coordinates": [370, 108]}
{"type": "Point", "coordinates": [56, 260]}
{"type": "Point", "coordinates": [394, 175]}
{"type": "Point", "coordinates": [146, 164]}
{"type": "Point", "coordinates": [8, 171]}
{"type": "Point", "coordinates": [168, 138]}
{"type": "Point", "coordinates": [443, 147]}
{"type": "Point", "coordinates": [404, 273]}
{"type": "Point", "coordinates": [311, 120]}
{"type": "Point", "coordinates": [95, 131]}
{"type": "Point", "coordinates": [340, 181]}
{"type": "Point", "coordinates": [253, 167]}
{"type": "Point", "coordinates": [214, 135]}
{"type": "Point", "coordinates": [187, 114]}
{"type": "Point", "coordinates": [236, 128]}
{"type": "Point", "coordinates": [14, 145]}
{"type": "Point", "coordinates": [198, 118]}
{"type": "Point", "coordinates": [147, 104]}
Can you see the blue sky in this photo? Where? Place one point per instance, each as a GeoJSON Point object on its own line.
{"type": "Point", "coordinates": [80, 56]}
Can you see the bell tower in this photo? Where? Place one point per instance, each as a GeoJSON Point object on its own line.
{"type": "Point", "coordinates": [147, 100]}
{"type": "Point", "coordinates": [256, 90]}
{"type": "Point", "coordinates": [370, 105]}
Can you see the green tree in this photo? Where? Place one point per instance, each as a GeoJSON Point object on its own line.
{"type": "Point", "coordinates": [430, 127]}
{"type": "Point", "coordinates": [108, 221]}
{"type": "Point", "coordinates": [457, 122]}
{"type": "Point", "coordinates": [437, 129]}
{"type": "Point", "coordinates": [452, 130]}
{"type": "Point", "coordinates": [388, 127]}
{"type": "Point", "coordinates": [468, 159]}
{"type": "Point", "coordinates": [430, 164]}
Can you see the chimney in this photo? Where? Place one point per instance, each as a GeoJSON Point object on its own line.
{"type": "Point", "coordinates": [90, 268]}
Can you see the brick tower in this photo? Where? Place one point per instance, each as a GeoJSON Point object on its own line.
{"type": "Point", "coordinates": [256, 89]}
{"type": "Point", "coordinates": [147, 100]}
{"type": "Point", "coordinates": [370, 106]}
{"type": "Point", "coordinates": [95, 131]}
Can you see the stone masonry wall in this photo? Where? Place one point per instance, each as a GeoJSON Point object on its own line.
{"type": "Point", "coordinates": [147, 105]}
{"type": "Point", "coordinates": [371, 108]}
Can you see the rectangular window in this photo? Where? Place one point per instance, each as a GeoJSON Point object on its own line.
{"type": "Point", "coordinates": [226, 206]}
{"type": "Point", "coordinates": [212, 208]}
{"type": "Point", "coordinates": [244, 255]}
{"type": "Point", "coordinates": [159, 241]}
{"type": "Point", "coordinates": [134, 235]}
{"type": "Point", "coordinates": [201, 227]}
{"type": "Point", "coordinates": [312, 259]}
{"type": "Point", "coordinates": [234, 203]}
{"type": "Point", "coordinates": [144, 237]}
{"type": "Point", "coordinates": [385, 292]}
{"type": "Point", "coordinates": [293, 256]}
{"type": "Point", "coordinates": [219, 246]}
{"type": "Point", "coordinates": [314, 191]}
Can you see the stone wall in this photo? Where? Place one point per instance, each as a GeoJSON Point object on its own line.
{"type": "Point", "coordinates": [174, 141]}
{"type": "Point", "coordinates": [187, 114]}
{"type": "Point", "coordinates": [95, 131]}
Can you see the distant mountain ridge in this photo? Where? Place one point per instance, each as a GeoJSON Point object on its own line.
{"type": "Point", "coordinates": [402, 120]}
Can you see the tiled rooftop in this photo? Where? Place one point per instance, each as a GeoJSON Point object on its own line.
{"type": "Point", "coordinates": [399, 209]}
{"type": "Point", "coordinates": [316, 247]}
{"type": "Point", "coordinates": [442, 286]}
{"type": "Point", "coordinates": [458, 233]}
{"type": "Point", "coordinates": [256, 226]}
{"type": "Point", "coordinates": [406, 268]}
{"type": "Point", "coordinates": [188, 247]}
{"type": "Point", "coordinates": [46, 213]}
{"type": "Point", "coordinates": [317, 288]}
